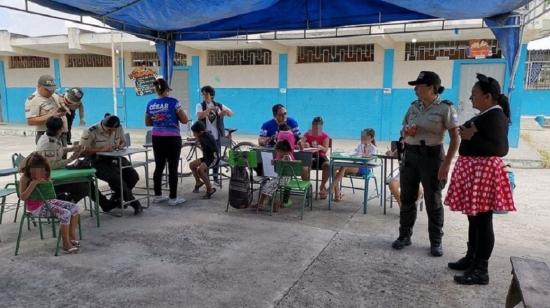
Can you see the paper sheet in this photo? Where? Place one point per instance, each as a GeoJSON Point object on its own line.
{"type": "Point", "coordinates": [269, 169]}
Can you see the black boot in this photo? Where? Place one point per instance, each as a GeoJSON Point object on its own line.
{"type": "Point", "coordinates": [464, 263]}
{"type": "Point", "coordinates": [478, 274]}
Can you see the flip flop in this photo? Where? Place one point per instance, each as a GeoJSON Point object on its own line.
{"type": "Point", "coordinates": [338, 197]}
{"type": "Point", "coordinates": [76, 243]}
{"type": "Point", "coordinates": [323, 194]}
{"type": "Point", "coordinates": [196, 190]}
{"type": "Point", "coordinates": [71, 250]}
{"type": "Point", "coordinates": [209, 194]}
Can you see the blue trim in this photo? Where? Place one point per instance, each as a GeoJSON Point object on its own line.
{"type": "Point", "coordinates": [283, 79]}
{"type": "Point", "coordinates": [181, 68]}
{"type": "Point", "coordinates": [3, 93]}
{"type": "Point", "coordinates": [386, 121]}
{"type": "Point", "coordinates": [194, 84]}
{"type": "Point", "coordinates": [57, 73]}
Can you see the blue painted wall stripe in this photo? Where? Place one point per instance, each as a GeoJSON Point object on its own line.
{"type": "Point", "coordinates": [283, 79]}
{"type": "Point", "coordinates": [388, 68]}
{"type": "Point", "coordinates": [57, 73]}
{"type": "Point", "coordinates": [194, 85]}
{"type": "Point", "coordinates": [3, 94]}
{"type": "Point", "coordinates": [386, 119]}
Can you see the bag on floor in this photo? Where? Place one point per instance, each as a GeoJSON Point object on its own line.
{"type": "Point", "coordinates": [240, 193]}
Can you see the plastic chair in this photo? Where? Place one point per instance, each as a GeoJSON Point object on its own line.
{"type": "Point", "coordinates": [43, 192]}
{"type": "Point", "coordinates": [294, 186]}
{"type": "Point", "coordinates": [366, 178]}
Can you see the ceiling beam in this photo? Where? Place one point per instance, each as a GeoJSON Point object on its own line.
{"type": "Point", "coordinates": [271, 45]}
{"type": "Point", "coordinates": [7, 49]}
{"type": "Point", "coordinates": [187, 50]}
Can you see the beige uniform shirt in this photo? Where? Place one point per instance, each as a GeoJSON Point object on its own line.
{"type": "Point", "coordinates": [431, 122]}
{"type": "Point", "coordinates": [52, 149]}
{"type": "Point", "coordinates": [96, 137]}
{"type": "Point", "coordinates": [37, 105]}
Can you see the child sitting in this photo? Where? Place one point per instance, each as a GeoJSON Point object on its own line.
{"type": "Point", "coordinates": [36, 170]}
{"type": "Point", "coordinates": [366, 148]}
{"type": "Point", "coordinates": [210, 158]}
{"type": "Point", "coordinates": [282, 150]}
{"type": "Point", "coordinates": [286, 134]}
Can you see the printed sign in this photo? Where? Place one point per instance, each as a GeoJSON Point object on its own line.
{"type": "Point", "coordinates": [143, 78]}
{"type": "Point", "coordinates": [479, 49]}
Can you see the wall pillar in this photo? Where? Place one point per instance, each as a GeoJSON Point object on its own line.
{"type": "Point", "coordinates": [283, 78]}
{"type": "Point", "coordinates": [386, 123]}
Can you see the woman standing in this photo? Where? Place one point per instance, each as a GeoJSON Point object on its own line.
{"type": "Point", "coordinates": [424, 160]}
{"type": "Point", "coordinates": [164, 114]}
{"type": "Point", "coordinates": [479, 183]}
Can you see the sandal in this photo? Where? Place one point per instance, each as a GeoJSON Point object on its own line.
{"type": "Point", "coordinates": [209, 194]}
{"type": "Point", "coordinates": [75, 243]}
{"type": "Point", "coordinates": [71, 250]}
{"type": "Point", "coordinates": [196, 190]}
{"type": "Point", "coordinates": [323, 194]}
{"type": "Point", "coordinates": [338, 197]}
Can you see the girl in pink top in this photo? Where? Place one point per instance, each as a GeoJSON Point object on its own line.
{"type": "Point", "coordinates": [36, 170]}
{"type": "Point", "coordinates": [318, 139]}
{"type": "Point", "coordinates": [285, 133]}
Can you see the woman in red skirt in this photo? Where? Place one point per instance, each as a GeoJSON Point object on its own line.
{"type": "Point", "coordinates": [479, 183]}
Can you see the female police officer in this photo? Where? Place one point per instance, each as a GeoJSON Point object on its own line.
{"type": "Point", "coordinates": [424, 161]}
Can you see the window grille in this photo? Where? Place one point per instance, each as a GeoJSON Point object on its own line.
{"type": "Point", "coordinates": [451, 50]}
{"type": "Point", "coordinates": [336, 53]}
{"type": "Point", "coordinates": [239, 57]}
{"type": "Point", "coordinates": [537, 69]}
{"type": "Point", "coordinates": [29, 62]}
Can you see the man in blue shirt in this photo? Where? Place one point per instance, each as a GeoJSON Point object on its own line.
{"type": "Point", "coordinates": [270, 128]}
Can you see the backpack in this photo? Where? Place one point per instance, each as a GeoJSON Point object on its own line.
{"type": "Point", "coordinates": [240, 192]}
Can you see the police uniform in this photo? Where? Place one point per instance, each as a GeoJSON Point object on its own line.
{"type": "Point", "coordinates": [52, 149]}
{"type": "Point", "coordinates": [421, 161]}
{"type": "Point", "coordinates": [37, 105]}
{"type": "Point", "coordinates": [107, 168]}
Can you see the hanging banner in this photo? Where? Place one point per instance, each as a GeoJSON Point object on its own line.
{"type": "Point", "coordinates": [479, 49]}
{"type": "Point", "coordinates": [143, 78]}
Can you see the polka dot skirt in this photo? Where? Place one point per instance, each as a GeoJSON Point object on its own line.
{"type": "Point", "coordinates": [479, 184]}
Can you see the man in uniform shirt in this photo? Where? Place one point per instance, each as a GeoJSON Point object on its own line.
{"type": "Point", "coordinates": [51, 147]}
{"type": "Point", "coordinates": [107, 136]}
{"type": "Point", "coordinates": [42, 104]}
{"type": "Point", "coordinates": [72, 100]}
{"type": "Point", "coordinates": [424, 160]}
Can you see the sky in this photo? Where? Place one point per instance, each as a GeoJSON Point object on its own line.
{"type": "Point", "coordinates": [35, 25]}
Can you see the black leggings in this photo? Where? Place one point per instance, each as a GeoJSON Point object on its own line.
{"type": "Point", "coordinates": [481, 235]}
{"type": "Point", "coordinates": [166, 148]}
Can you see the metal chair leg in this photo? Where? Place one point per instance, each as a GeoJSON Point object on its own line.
{"type": "Point", "coordinates": [19, 233]}
{"type": "Point", "coordinates": [40, 228]}
{"type": "Point", "coordinates": [17, 210]}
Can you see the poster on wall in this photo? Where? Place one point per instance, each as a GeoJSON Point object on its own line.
{"type": "Point", "coordinates": [143, 78]}
{"type": "Point", "coordinates": [479, 49]}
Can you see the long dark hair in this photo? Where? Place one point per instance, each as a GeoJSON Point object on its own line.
{"type": "Point", "coordinates": [489, 85]}
{"type": "Point", "coordinates": [34, 160]}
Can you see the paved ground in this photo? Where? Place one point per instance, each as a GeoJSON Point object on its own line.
{"type": "Point", "coordinates": [196, 255]}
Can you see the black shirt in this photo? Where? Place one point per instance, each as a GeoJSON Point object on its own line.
{"type": "Point", "coordinates": [209, 147]}
{"type": "Point", "coordinates": [491, 138]}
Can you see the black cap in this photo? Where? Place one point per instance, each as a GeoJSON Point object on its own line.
{"type": "Point", "coordinates": [428, 78]}
{"type": "Point", "coordinates": [111, 121]}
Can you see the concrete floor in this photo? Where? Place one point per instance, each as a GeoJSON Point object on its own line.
{"type": "Point", "coordinates": [197, 255]}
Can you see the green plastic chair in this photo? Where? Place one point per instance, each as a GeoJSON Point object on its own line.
{"type": "Point", "coordinates": [43, 192]}
{"type": "Point", "coordinates": [295, 185]}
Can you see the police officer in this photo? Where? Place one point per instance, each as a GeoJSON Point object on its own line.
{"type": "Point", "coordinates": [51, 147]}
{"type": "Point", "coordinates": [424, 160]}
{"type": "Point", "coordinates": [42, 104]}
{"type": "Point", "coordinates": [72, 99]}
{"type": "Point", "coordinates": [107, 136]}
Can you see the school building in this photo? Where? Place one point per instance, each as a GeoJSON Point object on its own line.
{"type": "Point", "coordinates": [353, 82]}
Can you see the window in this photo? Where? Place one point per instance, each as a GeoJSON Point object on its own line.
{"type": "Point", "coordinates": [537, 70]}
{"type": "Point", "coordinates": [452, 50]}
{"type": "Point", "coordinates": [88, 60]}
{"type": "Point", "coordinates": [151, 59]}
{"type": "Point", "coordinates": [239, 57]}
{"type": "Point", "coordinates": [336, 53]}
{"type": "Point", "coordinates": [29, 62]}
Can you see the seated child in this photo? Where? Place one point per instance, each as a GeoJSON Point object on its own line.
{"type": "Point", "coordinates": [282, 150]}
{"type": "Point", "coordinates": [210, 158]}
{"type": "Point", "coordinates": [285, 133]}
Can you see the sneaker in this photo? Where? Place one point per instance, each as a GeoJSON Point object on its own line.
{"type": "Point", "coordinates": [160, 199]}
{"type": "Point", "coordinates": [176, 201]}
{"type": "Point", "coordinates": [436, 250]}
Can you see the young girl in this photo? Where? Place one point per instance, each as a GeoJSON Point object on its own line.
{"type": "Point", "coordinates": [282, 150]}
{"type": "Point", "coordinates": [317, 138]}
{"type": "Point", "coordinates": [36, 170]}
{"type": "Point", "coordinates": [285, 133]}
{"type": "Point", "coordinates": [366, 148]}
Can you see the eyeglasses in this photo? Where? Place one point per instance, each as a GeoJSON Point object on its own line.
{"type": "Point", "coordinates": [281, 114]}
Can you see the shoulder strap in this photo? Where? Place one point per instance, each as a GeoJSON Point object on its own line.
{"type": "Point", "coordinates": [203, 105]}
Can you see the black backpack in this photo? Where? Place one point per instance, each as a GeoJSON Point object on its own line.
{"type": "Point", "coordinates": [240, 192]}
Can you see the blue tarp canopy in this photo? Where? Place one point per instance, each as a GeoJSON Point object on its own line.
{"type": "Point", "coordinates": [167, 21]}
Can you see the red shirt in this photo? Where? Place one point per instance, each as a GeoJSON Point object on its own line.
{"type": "Point", "coordinates": [310, 138]}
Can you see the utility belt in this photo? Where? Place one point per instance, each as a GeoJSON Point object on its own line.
{"type": "Point", "coordinates": [425, 150]}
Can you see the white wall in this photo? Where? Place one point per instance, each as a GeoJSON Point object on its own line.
{"type": "Point", "coordinates": [405, 71]}
{"type": "Point", "coordinates": [24, 77]}
{"type": "Point", "coordinates": [240, 76]}
{"type": "Point", "coordinates": [89, 77]}
{"type": "Point", "coordinates": [336, 75]}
